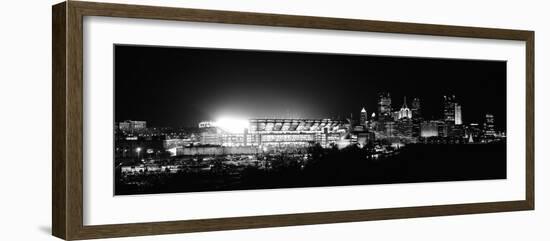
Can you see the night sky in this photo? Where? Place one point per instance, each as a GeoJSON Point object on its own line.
{"type": "Point", "coordinates": [179, 87]}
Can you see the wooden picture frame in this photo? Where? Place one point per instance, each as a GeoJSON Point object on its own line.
{"type": "Point", "coordinates": [67, 124]}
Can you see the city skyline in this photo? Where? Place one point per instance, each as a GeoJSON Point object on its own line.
{"type": "Point", "coordinates": [350, 81]}
{"type": "Point", "coordinates": [451, 111]}
{"type": "Point", "coordinates": [265, 119]}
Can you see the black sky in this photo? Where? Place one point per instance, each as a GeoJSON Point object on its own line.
{"type": "Point", "coordinates": [181, 86]}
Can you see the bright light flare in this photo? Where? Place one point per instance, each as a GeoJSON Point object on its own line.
{"type": "Point", "coordinates": [232, 125]}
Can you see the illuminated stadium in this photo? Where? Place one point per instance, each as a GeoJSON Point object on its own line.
{"type": "Point", "coordinates": [273, 132]}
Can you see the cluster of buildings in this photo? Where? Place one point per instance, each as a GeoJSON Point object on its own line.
{"type": "Point", "coordinates": [130, 126]}
{"type": "Point", "coordinates": [387, 126]}
{"type": "Point", "coordinates": [407, 125]}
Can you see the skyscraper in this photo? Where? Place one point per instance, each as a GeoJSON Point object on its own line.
{"type": "Point", "coordinates": [384, 105]}
{"type": "Point", "coordinates": [449, 105]}
{"type": "Point", "coordinates": [416, 117]}
{"type": "Point", "coordinates": [404, 128]}
{"type": "Point", "coordinates": [405, 112]}
{"type": "Point", "coordinates": [415, 108]}
{"type": "Point", "coordinates": [458, 114]}
{"type": "Point", "coordinates": [364, 117]}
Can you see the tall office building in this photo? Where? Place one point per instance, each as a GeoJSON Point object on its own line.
{"type": "Point", "coordinates": [458, 114]}
{"type": "Point", "coordinates": [405, 112]}
{"type": "Point", "coordinates": [404, 128]}
{"type": "Point", "coordinates": [415, 108]}
{"type": "Point", "coordinates": [384, 105]}
{"type": "Point", "coordinates": [364, 117]}
{"type": "Point", "coordinates": [416, 117]}
{"type": "Point", "coordinates": [449, 106]}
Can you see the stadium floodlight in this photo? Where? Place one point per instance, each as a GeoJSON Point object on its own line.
{"type": "Point", "coordinates": [231, 125]}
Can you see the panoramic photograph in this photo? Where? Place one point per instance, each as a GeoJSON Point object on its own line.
{"type": "Point", "coordinates": [209, 119]}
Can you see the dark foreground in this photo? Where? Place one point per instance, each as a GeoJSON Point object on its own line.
{"type": "Point", "coordinates": [350, 166]}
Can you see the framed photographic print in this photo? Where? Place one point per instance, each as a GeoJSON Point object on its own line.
{"type": "Point", "coordinates": [171, 120]}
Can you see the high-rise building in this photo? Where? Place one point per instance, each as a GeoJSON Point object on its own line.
{"type": "Point", "coordinates": [404, 128]}
{"type": "Point", "coordinates": [489, 125]}
{"type": "Point", "coordinates": [415, 108]}
{"type": "Point", "coordinates": [389, 128]}
{"type": "Point", "coordinates": [449, 105]}
{"type": "Point", "coordinates": [364, 117]}
{"type": "Point", "coordinates": [405, 112]}
{"type": "Point", "coordinates": [384, 105]}
{"type": "Point", "coordinates": [416, 117]}
{"type": "Point", "coordinates": [443, 128]}
{"type": "Point", "coordinates": [458, 114]}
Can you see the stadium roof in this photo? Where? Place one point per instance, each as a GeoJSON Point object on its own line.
{"type": "Point", "coordinates": [294, 124]}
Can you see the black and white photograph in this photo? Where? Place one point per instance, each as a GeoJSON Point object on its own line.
{"type": "Point", "coordinates": [206, 119]}
{"type": "Point", "coordinates": [271, 120]}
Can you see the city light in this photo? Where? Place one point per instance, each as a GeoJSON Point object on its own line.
{"type": "Point", "coordinates": [231, 125]}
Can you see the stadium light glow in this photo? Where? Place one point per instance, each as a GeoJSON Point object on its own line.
{"type": "Point", "coordinates": [231, 125]}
